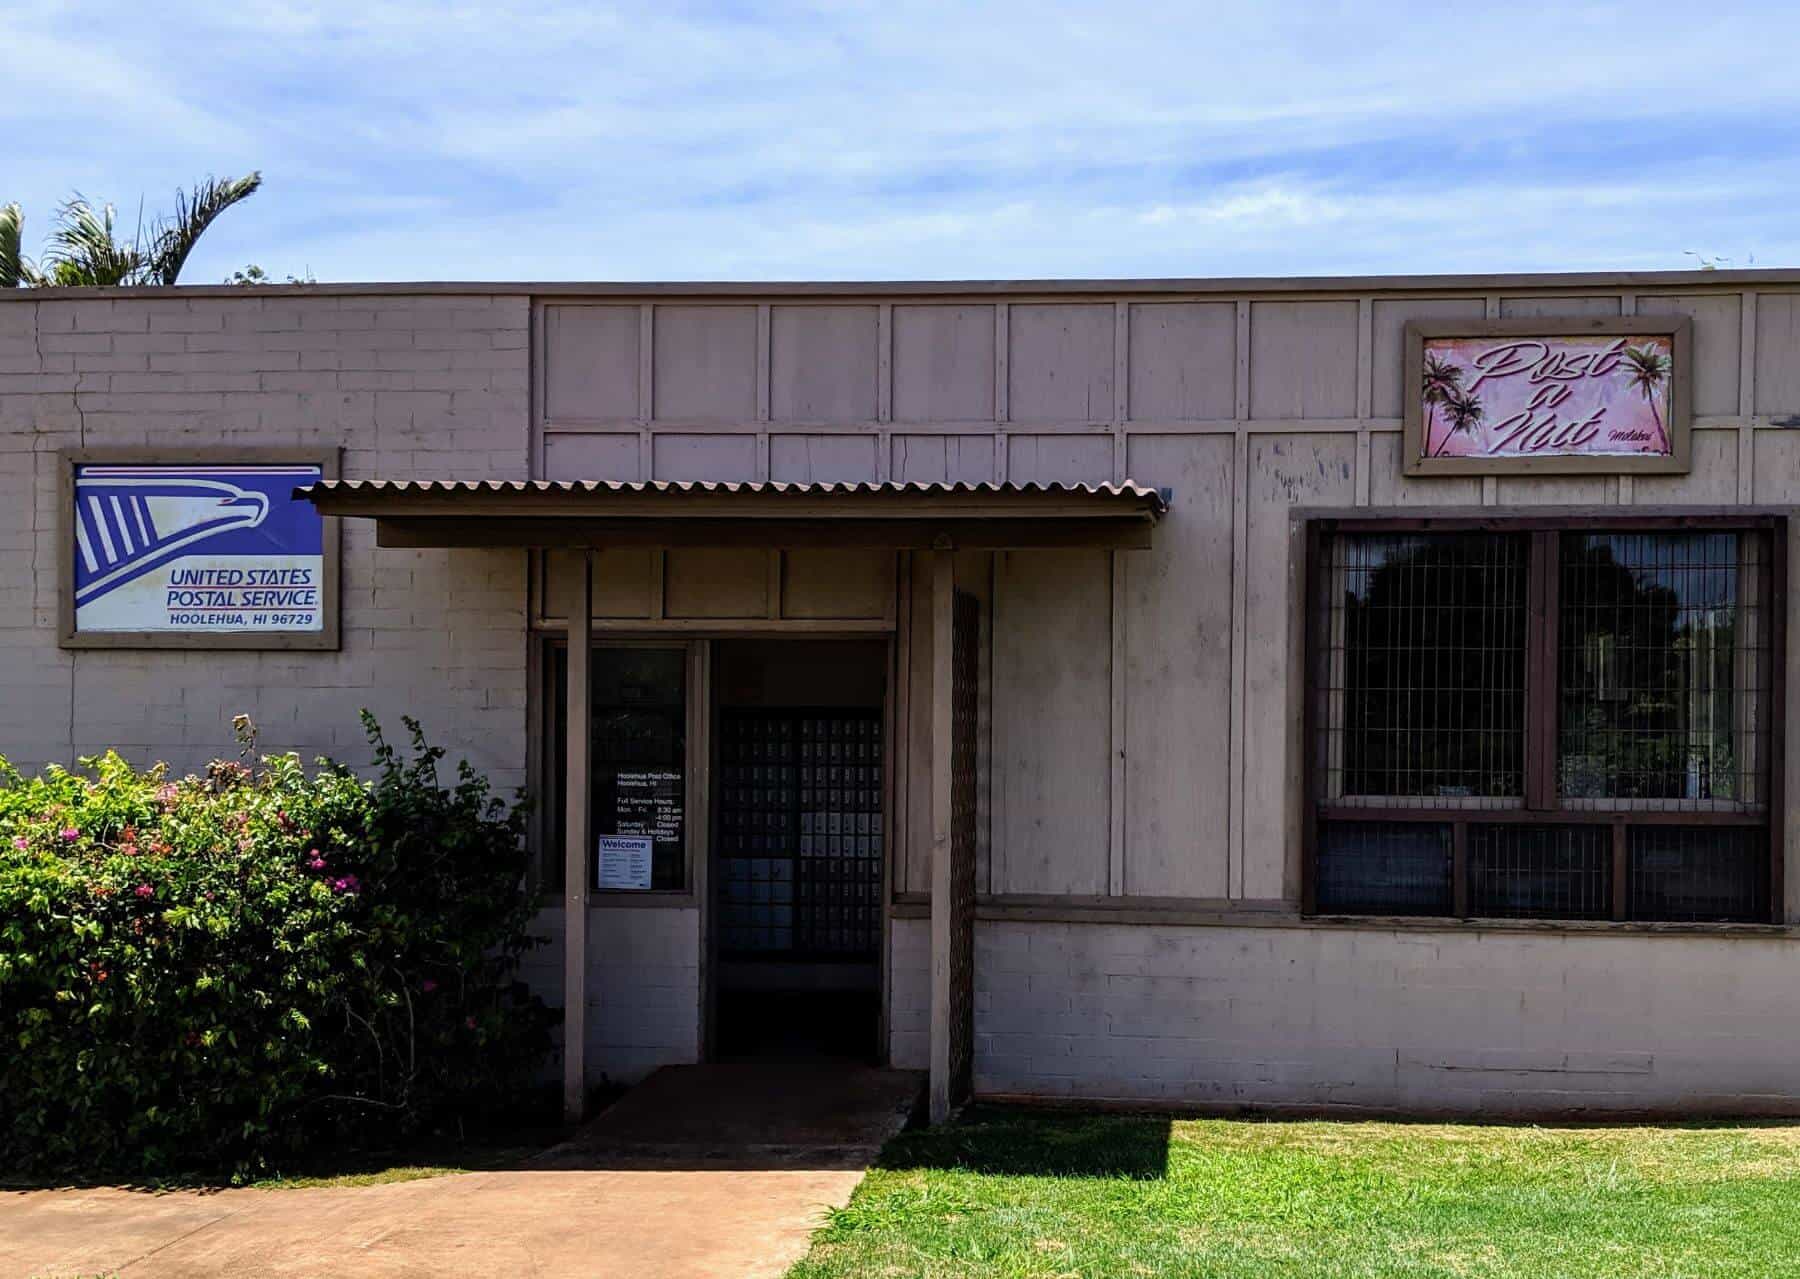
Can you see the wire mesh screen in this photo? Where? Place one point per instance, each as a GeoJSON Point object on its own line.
{"type": "Point", "coordinates": [1663, 654]}
{"type": "Point", "coordinates": [1540, 872]}
{"type": "Point", "coordinates": [1384, 868]}
{"type": "Point", "coordinates": [1699, 873]}
{"type": "Point", "coordinates": [1423, 677]}
{"type": "Point", "coordinates": [800, 829]}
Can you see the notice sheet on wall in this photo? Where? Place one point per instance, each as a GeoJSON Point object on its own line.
{"type": "Point", "coordinates": [649, 802]}
{"type": "Point", "coordinates": [625, 861]}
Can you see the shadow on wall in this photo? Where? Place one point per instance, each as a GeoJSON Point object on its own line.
{"type": "Point", "coordinates": [1031, 1143]}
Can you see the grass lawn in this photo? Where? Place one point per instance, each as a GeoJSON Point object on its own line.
{"type": "Point", "coordinates": [1013, 1194]}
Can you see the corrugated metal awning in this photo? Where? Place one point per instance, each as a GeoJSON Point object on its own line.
{"type": "Point", "coordinates": [725, 513]}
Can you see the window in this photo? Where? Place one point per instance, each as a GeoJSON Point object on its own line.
{"type": "Point", "coordinates": [1520, 720]}
{"type": "Point", "coordinates": [638, 755]}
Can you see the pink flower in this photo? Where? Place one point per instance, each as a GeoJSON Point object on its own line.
{"type": "Point", "coordinates": [428, 985]}
{"type": "Point", "coordinates": [70, 834]}
{"type": "Point", "coordinates": [469, 1022]}
{"type": "Point", "coordinates": [21, 843]}
{"type": "Point", "coordinates": [316, 859]}
{"type": "Point", "coordinates": [144, 890]}
{"type": "Point", "coordinates": [349, 884]}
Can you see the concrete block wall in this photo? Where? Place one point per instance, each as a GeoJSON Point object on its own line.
{"type": "Point", "coordinates": [1482, 1023]}
{"type": "Point", "coordinates": [643, 1005]}
{"type": "Point", "coordinates": [909, 994]}
{"type": "Point", "coordinates": [415, 385]}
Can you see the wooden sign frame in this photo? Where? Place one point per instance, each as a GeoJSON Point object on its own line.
{"type": "Point", "coordinates": [1679, 329]}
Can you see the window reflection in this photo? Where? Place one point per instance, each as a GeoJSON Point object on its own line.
{"type": "Point", "coordinates": [1654, 684]}
{"type": "Point", "coordinates": [638, 756]}
{"type": "Point", "coordinates": [1426, 666]}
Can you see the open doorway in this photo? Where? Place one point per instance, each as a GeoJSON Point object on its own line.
{"type": "Point", "coordinates": [800, 842]}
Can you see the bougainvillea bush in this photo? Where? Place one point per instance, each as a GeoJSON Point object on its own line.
{"type": "Point", "coordinates": [229, 972]}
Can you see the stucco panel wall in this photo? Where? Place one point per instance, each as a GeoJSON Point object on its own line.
{"type": "Point", "coordinates": [1475, 1023]}
{"type": "Point", "coordinates": [425, 386]}
{"type": "Point", "coordinates": [1179, 749]}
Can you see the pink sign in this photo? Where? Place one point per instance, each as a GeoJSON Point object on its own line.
{"type": "Point", "coordinates": [1585, 395]}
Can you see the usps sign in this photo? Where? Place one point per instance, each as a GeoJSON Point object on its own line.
{"type": "Point", "coordinates": [214, 554]}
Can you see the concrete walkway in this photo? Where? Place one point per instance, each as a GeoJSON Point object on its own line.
{"type": "Point", "coordinates": [652, 1189]}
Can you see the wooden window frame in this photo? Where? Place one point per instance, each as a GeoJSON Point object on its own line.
{"type": "Point", "coordinates": [1542, 805]}
{"type": "Point", "coordinates": [549, 789]}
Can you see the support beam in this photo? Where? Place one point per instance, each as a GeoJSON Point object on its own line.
{"type": "Point", "coordinates": [577, 720]}
{"type": "Point", "coordinates": [943, 602]}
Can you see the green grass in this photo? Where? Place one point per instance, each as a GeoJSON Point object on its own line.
{"type": "Point", "coordinates": [1009, 1194]}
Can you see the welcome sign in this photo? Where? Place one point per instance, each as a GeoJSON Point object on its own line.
{"type": "Point", "coordinates": [1591, 395]}
{"type": "Point", "coordinates": [203, 553]}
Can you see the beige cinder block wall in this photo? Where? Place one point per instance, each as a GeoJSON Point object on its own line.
{"type": "Point", "coordinates": [421, 385]}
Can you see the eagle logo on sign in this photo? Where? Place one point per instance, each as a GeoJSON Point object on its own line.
{"type": "Point", "coordinates": [126, 526]}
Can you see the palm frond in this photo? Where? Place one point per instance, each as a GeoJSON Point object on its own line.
{"type": "Point", "coordinates": [83, 251]}
{"type": "Point", "coordinates": [1441, 378]}
{"type": "Point", "coordinates": [1466, 411]}
{"type": "Point", "coordinates": [174, 237]}
{"type": "Point", "coordinates": [1647, 368]}
{"type": "Point", "coordinates": [15, 270]}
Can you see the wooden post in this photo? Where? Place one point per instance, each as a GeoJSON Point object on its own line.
{"type": "Point", "coordinates": [577, 719]}
{"type": "Point", "coordinates": [943, 601]}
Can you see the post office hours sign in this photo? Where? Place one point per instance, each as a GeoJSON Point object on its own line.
{"type": "Point", "coordinates": [212, 552]}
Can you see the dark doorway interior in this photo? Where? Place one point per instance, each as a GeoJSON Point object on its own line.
{"type": "Point", "coordinates": [801, 837]}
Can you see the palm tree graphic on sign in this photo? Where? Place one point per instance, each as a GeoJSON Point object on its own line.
{"type": "Point", "coordinates": [1465, 412]}
{"type": "Point", "coordinates": [1442, 380]}
{"type": "Point", "coordinates": [1647, 369]}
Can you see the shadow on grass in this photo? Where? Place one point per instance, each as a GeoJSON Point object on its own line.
{"type": "Point", "coordinates": [1031, 1143]}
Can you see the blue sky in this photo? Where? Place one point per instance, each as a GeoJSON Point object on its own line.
{"type": "Point", "coordinates": [416, 140]}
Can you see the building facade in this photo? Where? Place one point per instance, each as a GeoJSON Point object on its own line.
{"type": "Point", "coordinates": [1403, 755]}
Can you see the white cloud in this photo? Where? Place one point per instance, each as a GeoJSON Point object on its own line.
{"type": "Point", "coordinates": [565, 140]}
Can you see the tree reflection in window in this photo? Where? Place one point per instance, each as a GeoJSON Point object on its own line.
{"type": "Point", "coordinates": [1649, 663]}
{"type": "Point", "coordinates": [1426, 679]}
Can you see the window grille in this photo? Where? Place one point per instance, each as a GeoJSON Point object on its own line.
{"type": "Point", "coordinates": [1385, 868]}
{"type": "Point", "coordinates": [1540, 872]}
{"type": "Point", "coordinates": [1426, 670]}
{"type": "Point", "coordinates": [1545, 720]}
{"type": "Point", "coordinates": [1699, 873]}
{"type": "Point", "coordinates": [1663, 660]}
